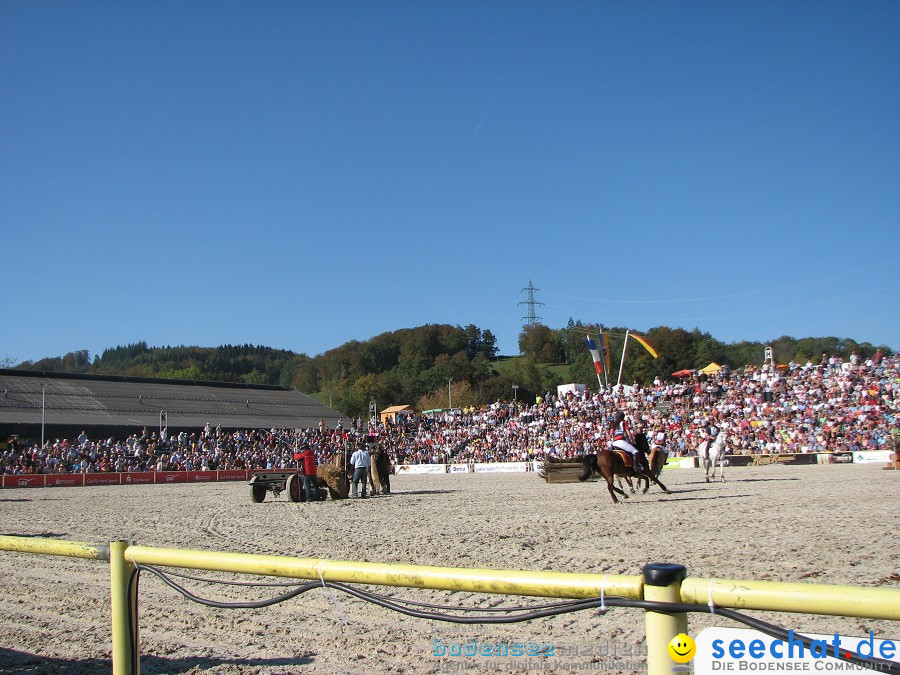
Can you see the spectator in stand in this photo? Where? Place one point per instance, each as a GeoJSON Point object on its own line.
{"type": "Point", "coordinates": [810, 409]}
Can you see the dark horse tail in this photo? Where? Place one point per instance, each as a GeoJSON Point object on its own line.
{"type": "Point", "coordinates": [589, 467]}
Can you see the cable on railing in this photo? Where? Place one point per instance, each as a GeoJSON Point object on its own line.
{"type": "Point", "coordinates": [523, 613]}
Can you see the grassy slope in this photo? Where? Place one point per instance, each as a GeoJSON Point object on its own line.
{"type": "Point", "coordinates": [506, 364]}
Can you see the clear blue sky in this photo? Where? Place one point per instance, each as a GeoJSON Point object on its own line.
{"type": "Point", "coordinates": [300, 174]}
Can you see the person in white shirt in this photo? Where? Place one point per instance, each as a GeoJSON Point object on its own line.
{"type": "Point", "coordinates": [361, 461]}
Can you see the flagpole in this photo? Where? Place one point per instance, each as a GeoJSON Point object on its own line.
{"type": "Point", "coordinates": [606, 358]}
{"type": "Point", "coordinates": [622, 362]}
{"type": "Point", "coordinates": [603, 360]}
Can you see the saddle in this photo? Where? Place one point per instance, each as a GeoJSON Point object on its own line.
{"type": "Point", "coordinates": [626, 458]}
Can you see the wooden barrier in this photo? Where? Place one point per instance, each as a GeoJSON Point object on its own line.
{"type": "Point", "coordinates": [562, 472]}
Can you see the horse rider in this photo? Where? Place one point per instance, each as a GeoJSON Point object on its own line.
{"type": "Point", "coordinates": [621, 430]}
{"type": "Point", "coordinates": [659, 438]}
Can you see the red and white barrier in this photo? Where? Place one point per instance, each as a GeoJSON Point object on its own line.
{"type": "Point", "coordinates": [124, 478]}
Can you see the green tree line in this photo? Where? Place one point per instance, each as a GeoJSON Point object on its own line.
{"type": "Point", "coordinates": [429, 365]}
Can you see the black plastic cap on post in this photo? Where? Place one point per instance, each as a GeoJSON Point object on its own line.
{"type": "Point", "coordinates": [663, 574]}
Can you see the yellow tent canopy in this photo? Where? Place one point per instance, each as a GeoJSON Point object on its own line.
{"type": "Point", "coordinates": [713, 367]}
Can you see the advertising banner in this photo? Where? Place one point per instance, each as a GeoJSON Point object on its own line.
{"type": "Point", "coordinates": [201, 476]}
{"type": "Point", "coordinates": [764, 460]}
{"type": "Point", "coordinates": [64, 480]}
{"type": "Point", "coordinates": [170, 477]}
{"type": "Point", "coordinates": [137, 477]}
{"type": "Point", "coordinates": [869, 456]}
{"type": "Point", "coordinates": [233, 474]}
{"type": "Point", "coordinates": [422, 468]}
{"type": "Point", "coordinates": [834, 457]}
{"type": "Point", "coordinates": [27, 480]}
{"type": "Point", "coordinates": [502, 467]}
{"type": "Point", "coordinates": [681, 463]}
{"type": "Point", "coordinates": [458, 468]}
{"type": "Point", "coordinates": [741, 649]}
{"type": "Point", "coordinates": [102, 478]}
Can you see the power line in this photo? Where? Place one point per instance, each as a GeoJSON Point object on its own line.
{"type": "Point", "coordinates": [531, 319]}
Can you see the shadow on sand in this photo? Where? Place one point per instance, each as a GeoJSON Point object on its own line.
{"type": "Point", "coordinates": [42, 535]}
{"type": "Point", "coordinates": [12, 661]}
{"type": "Point", "coordinates": [674, 498]}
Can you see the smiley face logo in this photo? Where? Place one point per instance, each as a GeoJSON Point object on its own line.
{"type": "Point", "coordinates": [682, 648]}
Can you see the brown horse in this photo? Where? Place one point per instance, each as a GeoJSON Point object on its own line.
{"type": "Point", "coordinates": [656, 460]}
{"type": "Point", "coordinates": [610, 464]}
{"type": "Point", "coordinates": [380, 472]}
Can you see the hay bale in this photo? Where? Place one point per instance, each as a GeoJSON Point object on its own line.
{"type": "Point", "coordinates": [335, 480]}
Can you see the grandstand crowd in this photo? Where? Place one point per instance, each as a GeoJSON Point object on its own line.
{"type": "Point", "coordinates": [834, 405]}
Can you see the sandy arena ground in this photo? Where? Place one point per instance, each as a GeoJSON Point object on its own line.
{"type": "Point", "coordinates": [827, 524]}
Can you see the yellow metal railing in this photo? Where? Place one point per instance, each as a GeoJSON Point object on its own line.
{"type": "Point", "coordinates": [69, 549]}
{"type": "Point", "coordinates": [781, 596]}
{"type": "Point", "coordinates": [661, 583]}
{"type": "Point", "coordinates": [504, 582]}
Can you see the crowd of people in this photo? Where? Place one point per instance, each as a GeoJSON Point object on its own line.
{"type": "Point", "coordinates": [835, 405]}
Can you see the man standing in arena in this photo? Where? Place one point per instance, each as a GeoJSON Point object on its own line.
{"type": "Point", "coordinates": [361, 461]}
{"type": "Point", "coordinates": [307, 459]}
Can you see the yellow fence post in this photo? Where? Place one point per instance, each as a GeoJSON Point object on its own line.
{"type": "Point", "coordinates": [125, 645]}
{"type": "Point", "coordinates": [662, 583]}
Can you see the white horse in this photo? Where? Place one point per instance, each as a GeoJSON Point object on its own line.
{"type": "Point", "coordinates": [712, 452]}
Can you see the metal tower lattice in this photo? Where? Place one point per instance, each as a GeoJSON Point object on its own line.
{"type": "Point", "coordinates": [531, 319]}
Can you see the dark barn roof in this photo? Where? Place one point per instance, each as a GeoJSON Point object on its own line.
{"type": "Point", "coordinates": [97, 400]}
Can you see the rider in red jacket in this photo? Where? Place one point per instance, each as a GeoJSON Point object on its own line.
{"type": "Point", "coordinates": [622, 435]}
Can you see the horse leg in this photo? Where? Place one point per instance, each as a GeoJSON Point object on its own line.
{"type": "Point", "coordinates": [610, 485]}
{"type": "Point", "coordinates": [644, 477]}
{"type": "Point", "coordinates": [655, 479]}
{"type": "Point", "coordinates": [607, 467]}
{"type": "Point", "coordinates": [654, 476]}
{"type": "Point", "coordinates": [626, 479]}
{"type": "Point", "coordinates": [613, 489]}
{"type": "Point", "coordinates": [662, 487]}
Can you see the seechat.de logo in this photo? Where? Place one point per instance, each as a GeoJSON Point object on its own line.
{"type": "Point", "coordinates": [742, 649]}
